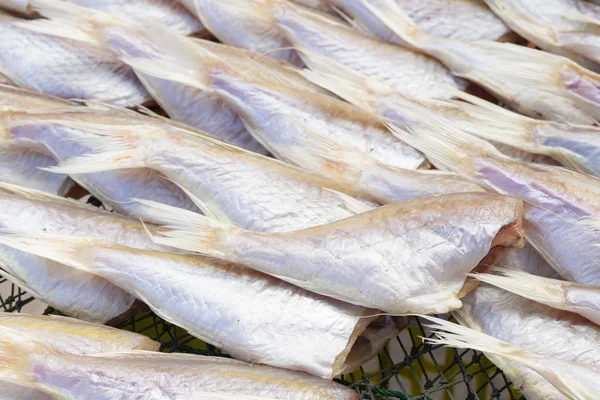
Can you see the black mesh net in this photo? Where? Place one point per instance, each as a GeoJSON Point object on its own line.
{"type": "Point", "coordinates": [407, 368]}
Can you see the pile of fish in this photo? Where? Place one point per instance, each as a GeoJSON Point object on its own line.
{"type": "Point", "coordinates": [289, 180]}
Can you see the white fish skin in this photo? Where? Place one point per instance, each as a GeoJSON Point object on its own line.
{"type": "Point", "coordinates": [168, 12]}
{"type": "Point", "coordinates": [565, 27]}
{"type": "Point", "coordinates": [533, 82]}
{"type": "Point", "coordinates": [244, 23]}
{"type": "Point", "coordinates": [68, 335]}
{"type": "Point", "coordinates": [577, 147]}
{"type": "Point", "coordinates": [79, 294]}
{"type": "Point", "coordinates": [58, 60]}
{"type": "Point", "coordinates": [467, 20]}
{"type": "Point", "coordinates": [560, 201]}
{"type": "Point", "coordinates": [218, 303]}
{"type": "Point", "coordinates": [116, 188]}
{"type": "Point", "coordinates": [401, 258]}
{"type": "Point", "coordinates": [529, 260]}
{"type": "Point", "coordinates": [407, 71]}
{"type": "Point", "coordinates": [560, 378]}
{"type": "Point", "coordinates": [153, 375]}
{"type": "Point", "coordinates": [248, 190]}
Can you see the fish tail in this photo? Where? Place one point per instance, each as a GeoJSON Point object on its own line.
{"type": "Point", "coordinates": [392, 15]}
{"type": "Point", "coordinates": [565, 376]}
{"type": "Point", "coordinates": [542, 290]}
{"type": "Point", "coordinates": [189, 231]}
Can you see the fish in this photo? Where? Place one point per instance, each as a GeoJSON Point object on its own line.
{"type": "Point", "coordinates": [321, 5]}
{"type": "Point", "coordinates": [563, 295]}
{"type": "Point", "coordinates": [227, 183]}
{"type": "Point", "coordinates": [245, 23]}
{"type": "Point", "coordinates": [78, 294]}
{"type": "Point", "coordinates": [576, 147]}
{"type": "Point", "coordinates": [565, 27]}
{"type": "Point", "coordinates": [561, 205]}
{"type": "Point", "coordinates": [70, 336]}
{"type": "Point", "coordinates": [153, 375]}
{"type": "Point", "coordinates": [407, 250]}
{"type": "Point", "coordinates": [407, 71]}
{"type": "Point", "coordinates": [168, 12]}
{"type": "Point", "coordinates": [40, 143]}
{"type": "Point", "coordinates": [467, 20]}
{"type": "Point", "coordinates": [60, 60]}
{"type": "Point", "coordinates": [571, 378]}
{"type": "Point", "coordinates": [245, 313]}
{"type": "Point", "coordinates": [532, 82]}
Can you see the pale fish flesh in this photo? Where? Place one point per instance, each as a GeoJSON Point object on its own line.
{"type": "Point", "coordinates": [62, 60]}
{"type": "Point", "coordinates": [565, 27]}
{"type": "Point", "coordinates": [533, 82]}
{"type": "Point", "coordinates": [561, 208]}
{"type": "Point", "coordinates": [245, 313]}
{"type": "Point", "coordinates": [75, 293]}
{"type": "Point", "coordinates": [467, 20]}
{"type": "Point", "coordinates": [153, 375]}
{"type": "Point", "coordinates": [408, 257]}
{"type": "Point", "coordinates": [412, 73]}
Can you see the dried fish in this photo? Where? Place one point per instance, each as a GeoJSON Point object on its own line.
{"type": "Point", "coordinates": [565, 27]}
{"type": "Point", "coordinates": [217, 302]}
{"type": "Point", "coordinates": [399, 258]}
{"type": "Point", "coordinates": [407, 71]}
{"type": "Point", "coordinates": [75, 293]}
{"type": "Point", "coordinates": [533, 82]}
{"type": "Point", "coordinates": [61, 60]}
{"type": "Point", "coordinates": [128, 375]}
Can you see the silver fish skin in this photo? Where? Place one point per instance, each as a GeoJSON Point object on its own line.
{"type": "Point", "coordinates": [168, 12]}
{"type": "Point", "coordinates": [534, 327]}
{"type": "Point", "coordinates": [245, 23]}
{"type": "Point", "coordinates": [71, 336]}
{"type": "Point", "coordinates": [114, 188]}
{"type": "Point", "coordinates": [565, 27]}
{"type": "Point", "coordinates": [576, 147]}
{"type": "Point", "coordinates": [407, 71]}
{"type": "Point", "coordinates": [78, 294]}
{"type": "Point", "coordinates": [334, 139]}
{"type": "Point", "coordinates": [401, 258]}
{"type": "Point", "coordinates": [536, 83]}
{"type": "Point", "coordinates": [561, 208]}
{"type": "Point", "coordinates": [61, 60]}
{"type": "Point", "coordinates": [246, 189]}
{"type": "Point", "coordinates": [153, 375]}
{"type": "Point", "coordinates": [468, 20]}
{"type": "Point", "coordinates": [193, 292]}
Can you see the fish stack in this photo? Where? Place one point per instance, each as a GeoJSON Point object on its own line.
{"type": "Point", "coordinates": [289, 180]}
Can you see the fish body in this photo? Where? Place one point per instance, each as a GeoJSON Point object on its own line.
{"type": "Point", "coordinates": [245, 23]}
{"type": "Point", "coordinates": [565, 27]}
{"type": "Point", "coordinates": [168, 12]}
{"type": "Point", "coordinates": [246, 189]}
{"type": "Point", "coordinates": [218, 303]}
{"type": "Point", "coordinates": [114, 188]}
{"type": "Point", "coordinates": [401, 258]}
{"type": "Point", "coordinates": [467, 20]}
{"type": "Point", "coordinates": [407, 71]}
{"type": "Point", "coordinates": [152, 375]}
{"type": "Point", "coordinates": [45, 57]}
{"type": "Point", "coordinates": [79, 294]}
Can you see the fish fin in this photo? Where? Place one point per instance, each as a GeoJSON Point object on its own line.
{"type": "Point", "coordinates": [64, 29]}
{"type": "Point", "coordinates": [350, 203]}
{"type": "Point", "coordinates": [113, 147]}
{"type": "Point", "coordinates": [392, 15]}
{"type": "Point", "coordinates": [539, 289]}
{"type": "Point", "coordinates": [560, 373]}
{"type": "Point", "coordinates": [190, 231]}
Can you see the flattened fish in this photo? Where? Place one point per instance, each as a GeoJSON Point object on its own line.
{"type": "Point", "coordinates": [411, 256]}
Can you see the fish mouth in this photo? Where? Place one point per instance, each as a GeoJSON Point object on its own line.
{"type": "Point", "coordinates": [508, 237]}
